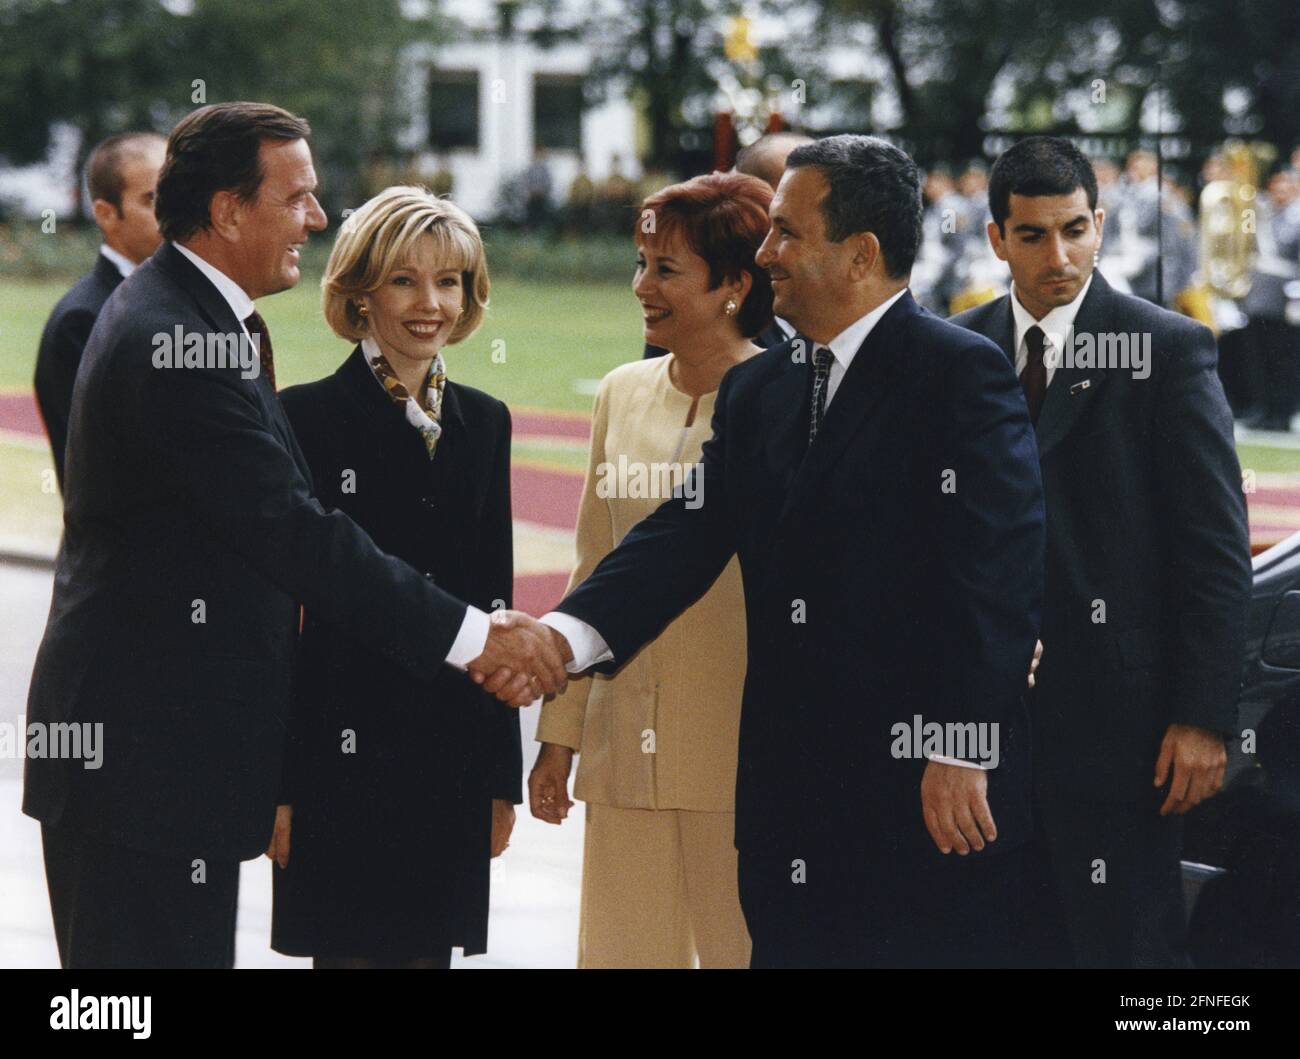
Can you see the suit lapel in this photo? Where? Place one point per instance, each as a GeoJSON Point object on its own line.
{"type": "Point", "coordinates": [859, 397]}
{"type": "Point", "coordinates": [212, 306]}
{"type": "Point", "coordinates": [107, 274]}
{"type": "Point", "coordinates": [784, 406]}
{"type": "Point", "coordinates": [1002, 328]}
{"type": "Point", "coordinates": [1074, 388]}
{"type": "Point", "coordinates": [221, 318]}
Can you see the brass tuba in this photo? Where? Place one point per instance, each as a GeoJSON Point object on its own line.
{"type": "Point", "coordinates": [1227, 243]}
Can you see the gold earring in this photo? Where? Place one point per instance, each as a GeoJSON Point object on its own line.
{"type": "Point", "coordinates": [362, 310]}
{"type": "Point", "coordinates": [731, 308]}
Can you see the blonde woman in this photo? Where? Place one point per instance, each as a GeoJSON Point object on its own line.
{"type": "Point", "coordinates": [394, 812]}
{"type": "Point", "coordinates": [657, 741]}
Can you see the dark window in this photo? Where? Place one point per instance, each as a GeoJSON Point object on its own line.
{"type": "Point", "coordinates": [557, 112]}
{"type": "Point", "coordinates": [453, 108]}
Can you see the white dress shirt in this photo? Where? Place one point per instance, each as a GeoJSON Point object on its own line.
{"type": "Point", "coordinates": [844, 346]}
{"type": "Point", "coordinates": [588, 646]}
{"type": "Point", "coordinates": [121, 262]}
{"type": "Point", "coordinates": [1056, 327]}
{"type": "Point", "coordinates": [473, 634]}
{"type": "Point", "coordinates": [238, 300]}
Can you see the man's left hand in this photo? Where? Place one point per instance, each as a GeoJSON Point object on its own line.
{"type": "Point", "coordinates": [954, 802]}
{"type": "Point", "coordinates": [1198, 759]}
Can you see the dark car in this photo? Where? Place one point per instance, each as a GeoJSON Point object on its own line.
{"type": "Point", "coordinates": [1241, 865]}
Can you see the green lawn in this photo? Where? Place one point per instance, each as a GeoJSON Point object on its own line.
{"type": "Point", "coordinates": [1263, 458]}
{"type": "Point", "coordinates": [537, 340]}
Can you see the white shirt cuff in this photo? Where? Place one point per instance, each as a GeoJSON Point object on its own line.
{"type": "Point", "coordinates": [957, 761]}
{"type": "Point", "coordinates": [471, 639]}
{"type": "Point", "coordinates": [588, 646]}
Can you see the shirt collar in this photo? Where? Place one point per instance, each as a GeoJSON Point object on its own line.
{"type": "Point", "coordinates": [1055, 325]}
{"type": "Point", "coordinates": [846, 344]}
{"type": "Point", "coordinates": [121, 262]}
{"type": "Point", "coordinates": [240, 303]}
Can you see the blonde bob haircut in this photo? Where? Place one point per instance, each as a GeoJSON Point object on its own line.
{"type": "Point", "coordinates": [374, 241]}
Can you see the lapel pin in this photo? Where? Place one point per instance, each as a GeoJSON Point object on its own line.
{"type": "Point", "coordinates": [1079, 387]}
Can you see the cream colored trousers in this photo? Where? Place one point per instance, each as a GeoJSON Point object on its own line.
{"type": "Point", "coordinates": [659, 890]}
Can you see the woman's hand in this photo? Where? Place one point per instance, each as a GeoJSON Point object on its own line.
{"type": "Point", "coordinates": [503, 823]}
{"type": "Point", "coordinates": [278, 850]}
{"type": "Point", "coordinates": [548, 783]}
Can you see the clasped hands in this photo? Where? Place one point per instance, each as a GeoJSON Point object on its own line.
{"type": "Point", "coordinates": [522, 659]}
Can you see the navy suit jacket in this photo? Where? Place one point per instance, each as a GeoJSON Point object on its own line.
{"type": "Point", "coordinates": [892, 569]}
{"type": "Point", "coordinates": [1146, 518]}
{"type": "Point", "coordinates": [191, 536]}
{"type": "Point", "coordinates": [62, 343]}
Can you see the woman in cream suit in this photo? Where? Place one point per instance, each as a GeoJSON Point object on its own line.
{"type": "Point", "coordinates": [657, 741]}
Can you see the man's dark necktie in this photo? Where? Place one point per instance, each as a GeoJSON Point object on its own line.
{"type": "Point", "coordinates": [1034, 378]}
{"type": "Point", "coordinates": [822, 357]}
{"type": "Point", "coordinates": [257, 326]}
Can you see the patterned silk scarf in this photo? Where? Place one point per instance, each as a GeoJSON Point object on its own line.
{"type": "Point", "coordinates": [426, 417]}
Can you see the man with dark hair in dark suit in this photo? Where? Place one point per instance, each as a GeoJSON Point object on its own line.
{"type": "Point", "coordinates": [191, 537]}
{"type": "Point", "coordinates": [121, 174]}
{"type": "Point", "coordinates": [876, 476]}
{"type": "Point", "coordinates": [1148, 568]}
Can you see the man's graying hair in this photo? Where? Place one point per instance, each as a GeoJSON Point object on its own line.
{"type": "Point", "coordinates": [874, 187]}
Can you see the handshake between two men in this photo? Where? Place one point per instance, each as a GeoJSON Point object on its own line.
{"type": "Point", "coordinates": [522, 660]}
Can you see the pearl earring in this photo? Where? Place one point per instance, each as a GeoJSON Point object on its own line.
{"type": "Point", "coordinates": [730, 308]}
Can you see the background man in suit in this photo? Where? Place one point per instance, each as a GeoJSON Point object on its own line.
{"type": "Point", "coordinates": [121, 174]}
{"type": "Point", "coordinates": [877, 478]}
{"type": "Point", "coordinates": [191, 536]}
{"type": "Point", "coordinates": [1148, 567]}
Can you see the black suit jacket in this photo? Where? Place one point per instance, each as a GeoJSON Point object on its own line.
{"type": "Point", "coordinates": [62, 343]}
{"type": "Point", "coordinates": [190, 537]}
{"type": "Point", "coordinates": [872, 593]}
{"type": "Point", "coordinates": [450, 518]}
{"type": "Point", "coordinates": [1146, 518]}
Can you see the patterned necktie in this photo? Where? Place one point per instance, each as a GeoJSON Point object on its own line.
{"type": "Point", "coordinates": [822, 357]}
{"type": "Point", "coordinates": [1034, 378]}
{"type": "Point", "coordinates": [258, 332]}
{"type": "Point", "coordinates": [430, 424]}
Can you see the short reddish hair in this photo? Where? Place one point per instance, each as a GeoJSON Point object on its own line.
{"type": "Point", "coordinates": [723, 218]}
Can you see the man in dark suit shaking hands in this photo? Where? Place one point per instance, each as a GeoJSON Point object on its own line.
{"type": "Point", "coordinates": [191, 536]}
{"type": "Point", "coordinates": [121, 174]}
{"type": "Point", "coordinates": [1148, 568]}
{"type": "Point", "coordinates": [876, 476]}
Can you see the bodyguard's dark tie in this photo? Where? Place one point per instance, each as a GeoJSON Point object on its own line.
{"type": "Point", "coordinates": [257, 327]}
{"type": "Point", "coordinates": [822, 357]}
{"type": "Point", "coordinates": [1034, 378]}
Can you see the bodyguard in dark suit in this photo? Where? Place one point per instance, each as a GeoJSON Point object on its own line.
{"type": "Point", "coordinates": [1148, 568]}
{"type": "Point", "coordinates": [191, 536]}
{"type": "Point", "coordinates": [877, 478]}
{"type": "Point", "coordinates": [121, 174]}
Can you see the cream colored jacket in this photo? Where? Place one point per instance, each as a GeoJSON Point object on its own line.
{"type": "Point", "coordinates": [662, 732]}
